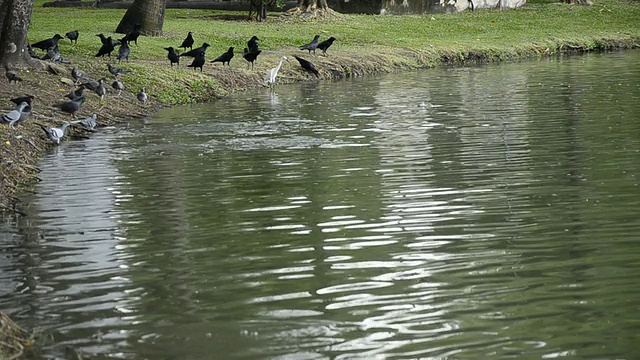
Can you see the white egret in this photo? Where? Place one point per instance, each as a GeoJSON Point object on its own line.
{"type": "Point", "coordinates": [270, 78]}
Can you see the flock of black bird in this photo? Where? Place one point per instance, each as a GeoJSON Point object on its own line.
{"type": "Point", "coordinates": [108, 45]}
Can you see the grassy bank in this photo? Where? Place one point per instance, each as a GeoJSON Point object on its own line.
{"type": "Point", "coordinates": [365, 45]}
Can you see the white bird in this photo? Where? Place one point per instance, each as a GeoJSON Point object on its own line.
{"type": "Point", "coordinates": [13, 116]}
{"type": "Point", "coordinates": [270, 78]}
{"type": "Point", "coordinates": [55, 134]}
{"type": "Point", "coordinates": [142, 96]}
{"type": "Point", "coordinates": [87, 123]}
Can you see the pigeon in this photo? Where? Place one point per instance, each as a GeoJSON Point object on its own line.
{"type": "Point", "coordinates": [31, 52]}
{"type": "Point", "coordinates": [193, 53]}
{"type": "Point", "coordinates": [76, 74]}
{"type": "Point", "coordinates": [75, 94]}
{"type": "Point", "coordinates": [188, 42]}
{"type": "Point", "coordinates": [225, 58]}
{"type": "Point", "coordinates": [307, 66]}
{"type": "Point", "coordinates": [124, 50]}
{"type": "Point", "coordinates": [325, 45]}
{"type": "Point", "coordinates": [142, 96]}
{"type": "Point", "coordinates": [24, 114]}
{"type": "Point", "coordinates": [106, 48]}
{"type": "Point", "coordinates": [133, 35]}
{"type": "Point", "coordinates": [250, 56]}
{"type": "Point", "coordinates": [13, 116]}
{"type": "Point", "coordinates": [100, 90]}
{"type": "Point", "coordinates": [72, 36]}
{"type": "Point", "coordinates": [118, 86]}
{"type": "Point", "coordinates": [27, 98]}
{"type": "Point", "coordinates": [87, 123]}
{"type": "Point", "coordinates": [53, 54]}
{"type": "Point", "coordinates": [173, 55]}
{"type": "Point", "coordinates": [117, 71]}
{"type": "Point", "coordinates": [252, 44]}
{"type": "Point", "coordinates": [104, 40]}
{"type": "Point", "coordinates": [197, 62]}
{"type": "Point", "coordinates": [47, 43]}
{"type": "Point", "coordinates": [71, 106]}
{"type": "Point", "coordinates": [312, 45]}
{"type": "Point", "coordinates": [90, 85]}
{"type": "Point", "coordinates": [55, 134]}
{"type": "Point", "coordinates": [12, 76]}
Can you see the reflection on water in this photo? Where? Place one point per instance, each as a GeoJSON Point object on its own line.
{"type": "Point", "coordinates": [485, 212]}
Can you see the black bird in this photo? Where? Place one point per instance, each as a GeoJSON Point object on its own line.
{"type": "Point", "coordinates": [72, 36]}
{"type": "Point", "coordinates": [198, 61]}
{"type": "Point", "coordinates": [124, 50]}
{"type": "Point", "coordinates": [75, 94]}
{"type": "Point", "coordinates": [312, 45]}
{"type": "Point", "coordinates": [325, 45]}
{"type": "Point", "coordinates": [250, 56]}
{"type": "Point", "coordinates": [117, 71]}
{"type": "Point", "coordinates": [307, 66]}
{"type": "Point", "coordinates": [195, 52]}
{"type": "Point", "coordinates": [252, 44]}
{"type": "Point", "coordinates": [188, 42]}
{"type": "Point", "coordinates": [27, 98]}
{"type": "Point", "coordinates": [134, 34]}
{"type": "Point", "coordinates": [225, 58]}
{"type": "Point", "coordinates": [12, 76]}
{"type": "Point", "coordinates": [48, 43]}
{"type": "Point", "coordinates": [173, 55]}
{"type": "Point", "coordinates": [71, 106]}
{"type": "Point", "coordinates": [106, 48]}
{"type": "Point", "coordinates": [103, 40]}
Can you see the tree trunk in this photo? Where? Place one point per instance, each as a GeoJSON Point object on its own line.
{"type": "Point", "coordinates": [312, 8]}
{"type": "Point", "coordinates": [148, 13]}
{"type": "Point", "coordinates": [15, 16]}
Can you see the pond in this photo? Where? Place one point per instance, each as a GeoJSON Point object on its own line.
{"type": "Point", "coordinates": [467, 213]}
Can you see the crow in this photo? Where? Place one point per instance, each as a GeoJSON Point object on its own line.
{"type": "Point", "coordinates": [19, 100]}
{"type": "Point", "coordinates": [252, 44]}
{"type": "Point", "coordinates": [75, 94]}
{"type": "Point", "coordinates": [188, 42]}
{"type": "Point", "coordinates": [172, 55]}
{"type": "Point", "coordinates": [307, 66]}
{"type": "Point", "coordinates": [250, 56]}
{"type": "Point", "coordinates": [133, 35]}
{"type": "Point", "coordinates": [198, 61]}
{"type": "Point", "coordinates": [312, 45]}
{"type": "Point", "coordinates": [195, 52]}
{"type": "Point", "coordinates": [72, 36]}
{"type": "Point", "coordinates": [103, 40]}
{"type": "Point", "coordinates": [225, 58]}
{"type": "Point", "coordinates": [325, 45]}
{"type": "Point", "coordinates": [106, 48]}
{"type": "Point", "coordinates": [124, 50]}
{"type": "Point", "coordinates": [48, 43]}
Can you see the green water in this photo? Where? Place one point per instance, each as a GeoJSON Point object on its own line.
{"type": "Point", "coordinates": [489, 212]}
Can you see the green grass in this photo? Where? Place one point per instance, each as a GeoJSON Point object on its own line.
{"type": "Point", "coordinates": [539, 28]}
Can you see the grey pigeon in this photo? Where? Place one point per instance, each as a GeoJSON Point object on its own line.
{"type": "Point", "coordinates": [224, 58]}
{"type": "Point", "coordinates": [31, 52]}
{"type": "Point", "coordinates": [13, 116]}
{"type": "Point", "coordinates": [55, 134]}
{"type": "Point", "coordinates": [90, 84]}
{"type": "Point", "coordinates": [118, 86]}
{"type": "Point", "coordinates": [75, 94]}
{"type": "Point", "coordinates": [124, 50]}
{"type": "Point", "coordinates": [100, 90]}
{"type": "Point", "coordinates": [76, 74]}
{"type": "Point", "coordinates": [72, 36]}
{"type": "Point", "coordinates": [53, 54]}
{"type": "Point", "coordinates": [71, 106]}
{"type": "Point", "coordinates": [117, 71]}
{"type": "Point", "coordinates": [312, 45]}
{"type": "Point", "coordinates": [12, 76]}
{"type": "Point", "coordinates": [87, 123]}
{"type": "Point", "coordinates": [142, 96]}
